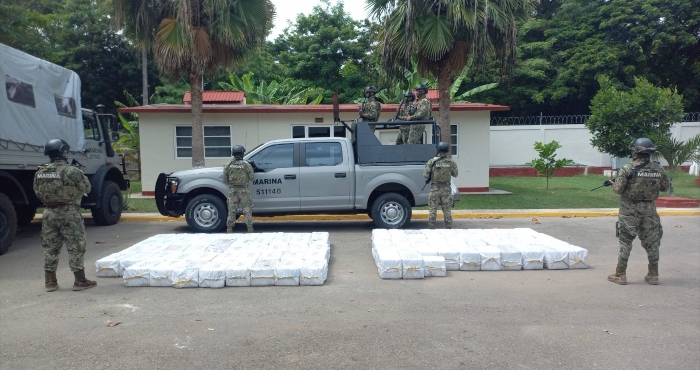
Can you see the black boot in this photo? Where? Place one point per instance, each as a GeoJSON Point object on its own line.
{"type": "Point", "coordinates": [51, 283]}
{"type": "Point", "coordinates": [81, 283]}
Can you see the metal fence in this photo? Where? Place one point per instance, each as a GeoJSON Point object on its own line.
{"type": "Point", "coordinates": [563, 120]}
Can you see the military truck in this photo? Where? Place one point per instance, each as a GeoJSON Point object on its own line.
{"type": "Point", "coordinates": [41, 101]}
{"type": "Point", "coordinates": [329, 175]}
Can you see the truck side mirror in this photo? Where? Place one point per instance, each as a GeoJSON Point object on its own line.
{"type": "Point", "coordinates": [255, 168]}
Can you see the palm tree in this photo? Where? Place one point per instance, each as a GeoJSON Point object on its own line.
{"type": "Point", "coordinates": [444, 34]}
{"type": "Point", "coordinates": [139, 19]}
{"type": "Point", "coordinates": [195, 36]}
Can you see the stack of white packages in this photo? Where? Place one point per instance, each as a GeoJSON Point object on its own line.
{"type": "Point", "coordinates": [218, 260]}
{"type": "Point", "coordinates": [396, 252]}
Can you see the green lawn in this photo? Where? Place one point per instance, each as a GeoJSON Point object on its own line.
{"type": "Point", "coordinates": [528, 193]}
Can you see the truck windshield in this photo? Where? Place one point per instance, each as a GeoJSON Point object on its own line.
{"type": "Point", "coordinates": [90, 127]}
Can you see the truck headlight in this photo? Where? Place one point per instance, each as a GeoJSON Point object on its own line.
{"type": "Point", "coordinates": [171, 184]}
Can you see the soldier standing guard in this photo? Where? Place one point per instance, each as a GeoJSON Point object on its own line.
{"type": "Point", "coordinates": [423, 112]}
{"type": "Point", "coordinates": [370, 109]}
{"type": "Point", "coordinates": [407, 109]}
{"type": "Point", "coordinates": [440, 170]}
{"type": "Point", "coordinates": [639, 184]}
{"type": "Point", "coordinates": [237, 175]}
{"type": "Point", "coordinates": [61, 187]}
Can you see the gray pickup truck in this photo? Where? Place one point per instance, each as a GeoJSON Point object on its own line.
{"type": "Point", "coordinates": [330, 175]}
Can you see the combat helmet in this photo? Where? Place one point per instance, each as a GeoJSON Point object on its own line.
{"type": "Point", "coordinates": [238, 151]}
{"type": "Point", "coordinates": [422, 88]}
{"type": "Point", "coordinates": [642, 145]}
{"type": "Point", "coordinates": [370, 89]}
{"type": "Point", "coordinates": [443, 147]}
{"type": "Point", "coordinates": [410, 96]}
{"type": "Point", "coordinates": [55, 148]}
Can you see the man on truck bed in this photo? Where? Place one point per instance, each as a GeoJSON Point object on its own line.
{"type": "Point", "coordinates": [61, 187]}
{"type": "Point", "coordinates": [423, 112]}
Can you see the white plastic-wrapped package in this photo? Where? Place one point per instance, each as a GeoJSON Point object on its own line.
{"type": "Point", "coordinates": [162, 272]}
{"type": "Point", "coordinates": [532, 256]}
{"type": "Point", "coordinates": [490, 258]}
{"type": "Point", "coordinates": [380, 234]}
{"type": "Point", "coordinates": [389, 264]}
{"type": "Point", "coordinates": [555, 259]}
{"type": "Point", "coordinates": [434, 266]}
{"type": "Point", "coordinates": [138, 274]}
{"type": "Point", "coordinates": [511, 258]}
{"type": "Point", "coordinates": [129, 259]}
{"type": "Point", "coordinates": [451, 255]}
{"type": "Point", "coordinates": [185, 275]}
{"type": "Point", "coordinates": [426, 249]}
{"type": "Point", "coordinates": [313, 272]}
{"type": "Point", "coordinates": [238, 272]}
{"type": "Point", "coordinates": [412, 265]}
{"type": "Point", "coordinates": [469, 258]}
{"type": "Point", "coordinates": [262, 273]}
{"type": "Point", "coordinates": [577, 257]}
{"type": "Point", "coordinates": [287, 272]}
{"type": "Point", "coordinates": [212, 274]}
{"type": "Point", "coordinates": [109, 266]}
{"type": "Point", "coordinates": [320, 248]}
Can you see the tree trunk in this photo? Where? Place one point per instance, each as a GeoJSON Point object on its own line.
{"type": "Point", "coordinates": [444, 103]}
{"type": "Point", "coordinates": [197, 129]}
{"type": "Point", "coordinates": [144, 75]}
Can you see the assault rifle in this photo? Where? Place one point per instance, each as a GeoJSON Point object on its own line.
{"type": "Point", "coordinates": [362, 107]}
{"type": "Point", "coordinates": [634, 171]}
{"type": "Point", "coordinates": [399, 108]}
{"type": "Point", "coordinates": [430, 175]}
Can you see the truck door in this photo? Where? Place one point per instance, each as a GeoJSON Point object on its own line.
{"type": "Point", "coordinates": [326, 176]}
{"type": "Point", "coordinates": [276, 184]}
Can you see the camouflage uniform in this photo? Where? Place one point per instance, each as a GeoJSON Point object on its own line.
{"type": "Point", "coordinates": [237, 175]}
{"type": "Point", "coordinates": [443, 170]}
{"type": "Point", "coordinates": [637, 213]}
{"type": "Point", "coordinates": [423, 111]}
{"type": "Point", "coordinates": [61, 187]}
{"type": "Point", "coordinates": [370, 110]}
{"type": "Point", "coordinates": [402, 137]}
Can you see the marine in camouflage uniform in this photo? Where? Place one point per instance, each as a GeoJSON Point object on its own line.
{"type": "Point", "coordinates": [423, 112]}
{"type": "Point", "coordinates": [407, 109]}
{"type": "Point", "coordinates": [237, 175]}
{"type": "Point", "coordinates": [370, 109]}
{"type": "Point", "coordinates": [639, 184]}
{"type": "Point", "coordinates": [60, 187]}
{"type": "Point", "coordinates": [440, 170]}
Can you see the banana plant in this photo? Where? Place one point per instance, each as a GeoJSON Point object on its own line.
{"type": "Point", "coordinates": [278, 93]}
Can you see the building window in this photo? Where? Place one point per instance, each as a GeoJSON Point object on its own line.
{"type": "Point", "coordinates": [318, 131]}
{"type": "Point", "coordinates": [453, 139]}
{"type": "Point", "coordinates": [217, 141]}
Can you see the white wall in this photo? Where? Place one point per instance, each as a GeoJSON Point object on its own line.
{"type": "Point", "coordinates": [513, 145]}
{"type": "Point", "coordinates": [157, 132]}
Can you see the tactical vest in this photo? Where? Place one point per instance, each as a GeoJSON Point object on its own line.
{"type": "Point", "coordinates": [49, 186]}
{"type": "Point", "coordinates": [645, 184]}
{"type": "Point", "coordinates": [442, 171]}
{"type": "Point", "coordinates": [236, 172]}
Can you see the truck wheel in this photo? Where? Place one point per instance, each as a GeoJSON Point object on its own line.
{"type": "Point", "coordinates": [206, 213]}
{"type": "Point", "coordinates": [391, 211]}
{"type": "Point", "coordinates": [25, 214]}
{"type": "Point", "coordinates": [109, 205]}
{"type": "Point", "coordinates": [8, 223]}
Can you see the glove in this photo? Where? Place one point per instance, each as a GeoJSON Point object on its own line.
{"type": "Point", "coordinates": [608, 182]}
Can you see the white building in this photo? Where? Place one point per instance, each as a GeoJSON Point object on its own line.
{"type": "Point", "coordinates": [166, 130]}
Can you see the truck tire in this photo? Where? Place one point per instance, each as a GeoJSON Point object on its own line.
{"type": "Point", "coordinates": [109, 206]}
{"type": "Point", "coordinates": [391, 211]}
{"type": "Point", "coordinates": [25, 214]}
{"type": "Point", "coordinates": [8, 223]}
{"type": "Point", "coordinates": [206, 213]}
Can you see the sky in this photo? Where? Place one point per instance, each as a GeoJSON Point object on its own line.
{"type": "Point", "coordinates": [289, 9]}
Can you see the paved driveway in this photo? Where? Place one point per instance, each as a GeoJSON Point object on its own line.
{"type": "Point", "coordinates": [503, 319]}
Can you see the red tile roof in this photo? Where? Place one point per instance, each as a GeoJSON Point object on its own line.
{"type": "Point", "coordinates": [221, 97]}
